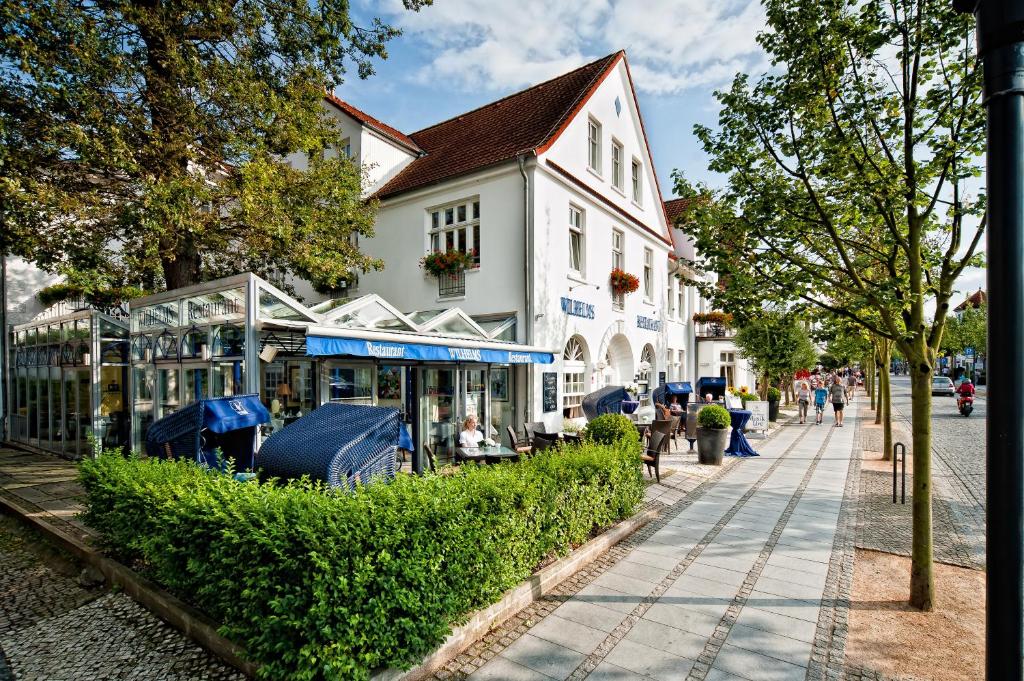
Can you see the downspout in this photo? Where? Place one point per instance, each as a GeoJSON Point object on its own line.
{"type": "Point", "coordinates": [528, 276]}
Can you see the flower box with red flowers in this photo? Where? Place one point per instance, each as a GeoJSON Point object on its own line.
{"type": "Point", "coordinates": [447, 262]}
{"type": "Point", "coordinates": [623, 282]}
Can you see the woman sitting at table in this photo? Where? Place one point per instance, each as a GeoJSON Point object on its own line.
{"type": "Point", "coordinates": [674, 406]}
{"type": "Point", "coordinates": [470, 436]}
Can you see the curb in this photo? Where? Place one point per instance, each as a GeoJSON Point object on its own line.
{"type": "Point", "coordinates": [514, 600]}
{"type": "Point", "coordinates": [178, 614]}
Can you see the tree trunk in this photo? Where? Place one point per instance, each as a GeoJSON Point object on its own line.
{"type": "Point", "coordinates": [922, 580]}
{"type": "Point", "coordinates": [885, 400]}
{"type": "Point", "coordinates": [880, 399]}
{"type": "Point", "coordinates": [872, 366]}
{"type": "Point", "coordinates": [181, 265]}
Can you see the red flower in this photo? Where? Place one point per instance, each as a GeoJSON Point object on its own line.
{"type": "Point", "coordinates": [623, 282]}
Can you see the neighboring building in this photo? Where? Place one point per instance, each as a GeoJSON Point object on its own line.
{"type": "Point", "coordinates": [975, 300]}
{"type": "Point", "coordinates": [715, 352]}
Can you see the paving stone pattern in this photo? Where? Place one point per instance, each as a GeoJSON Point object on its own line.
{"type": "Point", "coordinates": [52, 629]}
{"type": "Point", "coordinates": [726, 584]}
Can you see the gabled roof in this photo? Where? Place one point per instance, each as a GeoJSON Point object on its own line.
{"type": "Point", "coordinates": [371, 122]}
{"type": "Point", "coordinates": [976, 299]}
{"type": "Point", "coordinates": [499, 131]}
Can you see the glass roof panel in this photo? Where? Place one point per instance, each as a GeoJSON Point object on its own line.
{"type": "Point", "coordinates": [424, 316]}
{"type": "Point", "coordinates": [330, 304]}
{"type": "Point", "coordinates": [456, 326]}
{"type": "Point", "coordinates": [273, 307]}
{"type": "Point", "coordinates": [372, 316]}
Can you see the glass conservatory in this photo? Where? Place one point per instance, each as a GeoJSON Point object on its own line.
{"type": "Point", "coordinates": [69, 380]}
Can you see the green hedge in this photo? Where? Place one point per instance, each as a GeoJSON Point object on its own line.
{"type": "Point", "coordinates": [320, 584]}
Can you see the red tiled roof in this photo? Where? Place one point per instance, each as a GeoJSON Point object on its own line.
{"type": "Point", "coordinates": [498, 131]}
{"type": "Point", "coordinates": [976, 299]}
{"type": "Point", "coordinates": [676, 208]}
{"type": "Point", "coordinates": [371, 122]}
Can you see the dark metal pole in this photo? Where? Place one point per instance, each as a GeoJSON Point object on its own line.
{"type": "Point", "coordinates": [1001, 48]}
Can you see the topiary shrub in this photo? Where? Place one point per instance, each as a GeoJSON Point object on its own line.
{"type": "Point", "coordinates": [612, 428]}
{"type": "Point", "coordinates": [774, 394]}
{"type": "Point", "coordinates": [317, 583]}
{"type": "Point", "coordinates": [714, 416]}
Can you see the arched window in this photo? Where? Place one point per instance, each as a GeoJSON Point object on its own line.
{"type": "Point", "coordinates": [574, 375]}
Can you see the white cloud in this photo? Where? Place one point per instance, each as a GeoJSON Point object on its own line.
{"type": "Point", "coordinates": [672, 45]}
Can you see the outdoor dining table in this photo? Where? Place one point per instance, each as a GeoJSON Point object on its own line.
{"type": "Point", "coordinates": [493, 454]}
{"type": "Point", "coordinates": [738, 444]}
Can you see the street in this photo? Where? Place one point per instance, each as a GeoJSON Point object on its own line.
{"type": "Point", "coordinates": [958, 444]}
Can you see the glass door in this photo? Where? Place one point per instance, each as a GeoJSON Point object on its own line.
{"type": "Point", "coordinates": [437, 415]}
{"type": "Point", "coordinates": [503, 401]}
{"type": "Point", "coordinates": [473, 398]}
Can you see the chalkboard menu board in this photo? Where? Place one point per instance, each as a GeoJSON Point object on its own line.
{"type": "Point", "coordinates": [550, 391]}
{"type": "Point", "coordinates": [661, 378]}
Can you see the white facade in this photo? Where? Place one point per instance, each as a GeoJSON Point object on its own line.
{"type": "Point", "coordinates": [528, 209]}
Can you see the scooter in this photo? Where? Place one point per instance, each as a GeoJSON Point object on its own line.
{"type": "Point", "coordinates": [966, 404]}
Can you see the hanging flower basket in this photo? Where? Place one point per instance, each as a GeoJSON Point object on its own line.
{"type": "Point", "coordinates": [623, 282]}
{"type": "Point", "coordinates": [447, 262]}
{"type": "Point", "coordinates": [716, 317]}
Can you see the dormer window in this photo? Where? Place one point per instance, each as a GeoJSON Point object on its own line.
{"type": "Point", "coordinates": [594, 145]}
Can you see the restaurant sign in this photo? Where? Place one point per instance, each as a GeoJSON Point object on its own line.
{"type": "Point", "coordinates": [328, 346]}
{"type": "Point", "coordinates": [577, 308]}
{"type": "Point", "coordinates": [647, 323]}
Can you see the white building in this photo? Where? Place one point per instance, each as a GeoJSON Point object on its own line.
{"type": "Point", "coordinates": [550, 189]}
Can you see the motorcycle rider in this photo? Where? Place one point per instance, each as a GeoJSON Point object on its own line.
{"type": "Point", "coordinates": [966, 388]}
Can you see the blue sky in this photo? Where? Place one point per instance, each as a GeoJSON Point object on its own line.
{"type": "Point", "coordinates": [459, 54]}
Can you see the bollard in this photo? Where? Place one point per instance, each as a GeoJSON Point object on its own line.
{"type": "Point", "coordinates": [899, 446]}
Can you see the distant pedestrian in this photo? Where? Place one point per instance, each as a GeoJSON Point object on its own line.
{"type": "Point", "coordinates": [820, 396]}
{"type": "Point", "coordinates": [803, 397]}
{"type": "Point", "coordinates": [838, 394]}
{"type": "Point", "coordinates": [851, 386]}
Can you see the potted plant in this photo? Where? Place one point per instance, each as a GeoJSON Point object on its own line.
{"type": "Point", "coordinates": [773, 404]}
{"type": "Point", "coordinates": [713, 423]}
{"type": "Point", "coordinates": [623, 282]}
{"type": "Point", "coordinates": [717, 319]}
{"type": "Point", "coordinates": [447, 262]}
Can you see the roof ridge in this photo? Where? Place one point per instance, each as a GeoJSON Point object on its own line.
{"type": "Point", "coordinates": [516, 93]}
{"type": "Point", "coordinates": [372, 121]}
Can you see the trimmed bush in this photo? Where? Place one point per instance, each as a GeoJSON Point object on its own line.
{"type": "Point", "coordinates": [613, 428]}
{"type": "Point", "coordinates": [774, 394]}
{"type": "Point", "coordinates": [322, 584]}
{"type": "Point", "coordinates": [714, 416]}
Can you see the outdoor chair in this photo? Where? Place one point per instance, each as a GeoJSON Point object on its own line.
{"type": "Point", "coordinates": [515, 444]}
{"type": "Point", "coordinates": [652, 455]}
{"type": "Point", "coordinates": [572, 438]}
{"type": "Point", "coordinates": [431, 462]}
{"type": "Point", "coordinates": [532, 428]}
{"type": "Point", "coordinates": [542, 442]}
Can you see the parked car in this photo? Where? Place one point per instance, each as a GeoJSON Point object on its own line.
{"type": "Point", "coordinates": [943, 385]}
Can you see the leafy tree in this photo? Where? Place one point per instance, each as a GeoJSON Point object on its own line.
{"type": "Point", "coordinates": [968, 330]}
{"type": "Point", "coordinates": [148, 142]}
{"type": "Point", "coordinates": [776, 345]}
{"type": "Point", "coordinates": [849, 166]}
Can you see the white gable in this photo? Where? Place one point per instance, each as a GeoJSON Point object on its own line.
{"type": "Point", "coordinates": [614, 108]}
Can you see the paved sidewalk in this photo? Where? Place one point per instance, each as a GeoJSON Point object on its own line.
{"type": "Point", "coordinates": [731, 587]}
{"type": "Point", "coordinates": [46, 487]}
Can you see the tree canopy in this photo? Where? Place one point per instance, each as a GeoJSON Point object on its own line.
{"type": "Point", "coordinates": [148, 142]}
{"type": "Point", "coordinates": [969, 329]}
{"type": "Point", "coordinates": [776, 344]}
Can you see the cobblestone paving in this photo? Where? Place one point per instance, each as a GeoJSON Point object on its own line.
{"type": "Point", "coordinates": [53, 629]}
{"type": "Point", "coordinates": [957, 515]}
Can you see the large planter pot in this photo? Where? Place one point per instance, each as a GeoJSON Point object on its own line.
{"type": "Point", "coordinates": [773, 410]}
{"type": "Point", "coordinates": [711, 444]}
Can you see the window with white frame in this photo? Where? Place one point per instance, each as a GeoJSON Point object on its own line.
{"type": "Point", "coordinates": [574, 370]}
{"type": "Point", "coordinates": [648, 275]}
{"type": "Point", "coordinates": [638, 181]}
{"type": "Point", "coordinates": [346, 147]}
{"type": "Point", "coordinates": [647, 370]}
{"type": "Point", "coordinates": [594, 145]}
{"type": "Point", "coordinates": [618, 261]}
{"type": "Point", "coordinates": [456, 227]}
{"type": "Point", "coordinates": [727, 368]}
{"type": "Point", "coordinates": [617, 165]}
{"type": "Point", "coordinates": [577, 245]}
{"type": "Point", "coordinates": [681, 300]}
{"type": "Point", "coordinates": [671, 295]}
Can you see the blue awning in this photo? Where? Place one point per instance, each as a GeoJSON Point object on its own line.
{"type": "Point", "coordinates": [320, 346]}
{"type": "Point", "coordinates": [678, 388]}
{"type": "Point", "coordinates": [224, 414]}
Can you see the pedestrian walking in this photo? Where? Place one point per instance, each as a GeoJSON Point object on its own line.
{"type": "Point", "coordinates": [803, 397]}
{"type": "Point", "coordinates": [838, 394]}
{"type": "Point", "coordinates": [820, 396]}
{"type": "Point", "coordinates": [851, 386]}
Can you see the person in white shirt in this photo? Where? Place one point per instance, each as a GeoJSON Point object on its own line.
{"type": "Point", "coordinates": [470, 436]}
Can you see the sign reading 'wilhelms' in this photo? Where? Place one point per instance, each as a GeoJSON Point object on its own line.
{"type": "Point", "coordinates": [577, 308]}
{"type": "Point", "coordinates": [647, 323]}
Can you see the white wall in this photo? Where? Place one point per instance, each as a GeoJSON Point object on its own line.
{"type": "Point", "coordinates": [402, 238]}
{"type": "Point", "coordinates": [381, 159]}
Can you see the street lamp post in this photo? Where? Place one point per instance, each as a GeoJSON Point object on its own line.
{"type": "Point", "coordinates": [1001, 48]}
